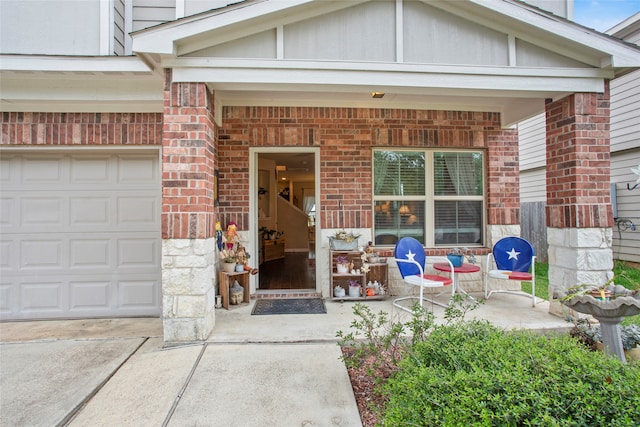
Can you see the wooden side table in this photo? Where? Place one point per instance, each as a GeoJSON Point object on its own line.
{"type": "Point", "coordinates": [225, 281]}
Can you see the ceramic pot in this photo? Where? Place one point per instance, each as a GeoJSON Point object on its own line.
{"type": "Point", "coordinates": [338, 292]}
{"type": "Point", "coordinates": [456, 260]}
{"type": "Point", "coordinates": [229, 267]}
{"type": "Point", "coordinates": [354, 291]}
{"type": "Point", "coordinates": [342, 268]}
{"type": "Point", "coordinates": [239, 268]}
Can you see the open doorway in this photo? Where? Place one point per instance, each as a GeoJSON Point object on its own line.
{"type": "Point", "coordinates": [286, 210]}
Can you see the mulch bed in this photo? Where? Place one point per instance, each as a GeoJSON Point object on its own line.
{"type": "Point", "coordinates": [364, 380]}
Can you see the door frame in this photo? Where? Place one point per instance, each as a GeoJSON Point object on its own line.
{"type": "Point", "coordinates": [254, 153]}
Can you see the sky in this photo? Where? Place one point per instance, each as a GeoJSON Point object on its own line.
{"type": "Point", "coordinates": [604, 14]}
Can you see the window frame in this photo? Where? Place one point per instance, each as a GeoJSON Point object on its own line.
{"type": "Point", "coordinates": [429, 199]}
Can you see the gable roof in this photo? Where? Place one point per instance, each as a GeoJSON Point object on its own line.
{"type": "Point", "coordinates": [479, 55]}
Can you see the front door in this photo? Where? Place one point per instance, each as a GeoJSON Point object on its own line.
{"type": "Point", "coordinates": [286, 182]}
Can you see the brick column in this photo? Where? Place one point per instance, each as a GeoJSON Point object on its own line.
{"type": "Point", "coordinates": [188, 217]}
{"type": "Point", "coordinates": [503, 186]}
{"type": "Point", "coordinates": [579, 213]}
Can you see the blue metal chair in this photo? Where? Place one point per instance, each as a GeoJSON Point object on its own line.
{"type": "Point", "coordinates": [412, 263]}
{"type": "Point", "coordinates": [511, 259]}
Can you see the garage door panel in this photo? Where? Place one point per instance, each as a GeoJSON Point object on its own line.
{"type": "Point", "coordinates": [43, 297]}
{"type": "Point", "coordinates": [90, 253]}
{"type": "Point", "coordinates": [90, 170]}
{"type": "Point", "coordinates": [138, 170]}
{"type": "Point", "coordinates": [138, 253]}
{"type": "Point", "coordinates": [91, 211]}
{"type": "Point", "coordinates": [7, 260]}
{"type": "Point", "coordinates": [42, 211]}
{"type": "Point", "coordinates": [42, 254]}
{"type": "Point", "coordinates": [90, 295]}
{"type": "Point", "coordinates": [80, 234]}
{"type": "Point", "coordinates": [7, 216]}
{"type": "Point", "coordinates": [7, 169]}
{"type": "Point", "coordinates": [8, 299]}
{"type": "Point", "coordinates": [138, 294]}
{"type": "Point", "coordinates": [43, 170]}
{"type": "Point", "coordinates": [136, 210]}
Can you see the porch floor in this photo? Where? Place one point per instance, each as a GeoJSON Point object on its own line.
{"type": "Point", "coordinates": [238, 325]}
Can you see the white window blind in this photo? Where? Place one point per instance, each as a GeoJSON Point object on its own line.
{"type": "Point", "coordinates": [434, 196]}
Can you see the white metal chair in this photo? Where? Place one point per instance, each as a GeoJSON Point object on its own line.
{"type": "Point", "coordinates": [511, 259]}
{"type": "Point", "coordinates": [412, 262]}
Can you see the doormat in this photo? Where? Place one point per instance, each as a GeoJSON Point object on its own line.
{"type": "Point", "coordinates": [289, 306]}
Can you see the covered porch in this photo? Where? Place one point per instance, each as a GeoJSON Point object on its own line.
{"type": "Point", "coordinates": [417, 75]}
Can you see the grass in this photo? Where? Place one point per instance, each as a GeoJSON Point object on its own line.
{"type": "Point", "coordinates": [627, 276]}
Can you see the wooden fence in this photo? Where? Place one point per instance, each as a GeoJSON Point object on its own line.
{"type": "Point", "coordinates": [533, 227]}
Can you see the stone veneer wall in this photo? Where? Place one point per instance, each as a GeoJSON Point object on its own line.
{"type": "Point", "coordinates": [188, 288]}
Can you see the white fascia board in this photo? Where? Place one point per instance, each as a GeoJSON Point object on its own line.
{"type": "Point", "coordinates": [625, 27]}
{"type": "Point", "coordinates": [365, 67]}
{"type": "Point", "coordinates": [333, 80]}
{"type": "Point", "coordinates": [394, 76]}
{"type": "Point", "coordinates": [58, 64]}
{"type": "Point", "coordinates": [622, 54]}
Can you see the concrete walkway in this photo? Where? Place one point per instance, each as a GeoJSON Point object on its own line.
{"type": "Point", "coordinates": [253, 371]}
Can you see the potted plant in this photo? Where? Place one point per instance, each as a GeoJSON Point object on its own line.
{"type": "Point", "coordinates": [354, 288]}
{"type": "Point", "coordinates": [457, 256]}
{"type": "Point", "coordinates": [229, 260]}
{"type": "Point", "coordinates": [343, 241]}
{"type": "Point", "coordinates": [269, 234]}
{"type": "Point", "coordinates": [342, 264]}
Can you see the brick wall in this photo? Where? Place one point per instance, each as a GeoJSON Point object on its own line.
{"type": "Point", "coordinates": [503, 176]}
{"type": "Point", "coordinates": [345, 137]}
{"type": "Point", "coordinates": [578, 161]}
{"type": "Point", "coordinates": [81, 128]}
{"type": "Point", "coordinates": [188, 162]}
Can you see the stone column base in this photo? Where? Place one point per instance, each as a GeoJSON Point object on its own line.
{"type": "Point", "coordinates": [188, 289]}
{"type": "Point", "coordinates": [577, 256]}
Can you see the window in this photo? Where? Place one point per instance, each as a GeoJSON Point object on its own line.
{"type": "Point", "coordinates": [436, 197]}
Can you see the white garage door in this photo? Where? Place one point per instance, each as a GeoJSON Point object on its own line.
{"type": "Point", "coordinates": [80, 234]}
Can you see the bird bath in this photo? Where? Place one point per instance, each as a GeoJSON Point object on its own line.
{"type": "Point", "coordinates": [609, 313]}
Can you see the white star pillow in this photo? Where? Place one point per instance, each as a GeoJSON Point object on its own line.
{"type": "Point", "coordinates": [513, 254]}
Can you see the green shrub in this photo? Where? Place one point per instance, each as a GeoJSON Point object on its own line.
{"type": "Point", "coordinates": [476, 374]}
